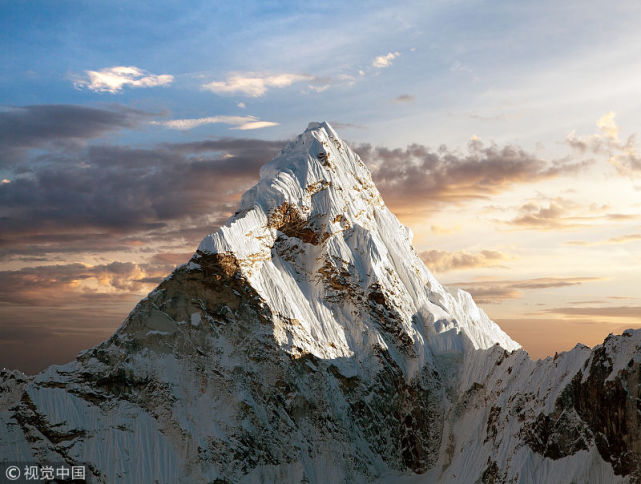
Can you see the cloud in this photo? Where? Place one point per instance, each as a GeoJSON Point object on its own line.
{"type": "Point", "coordinates": [622, 155]}
{"type": "Point", "coordinates": [112, 197]}
{"type": "Point", "coordinates": [438, 230]}
{"type": "Point", "coordinates": [549, 215]}
{"type": "Point", "coordinates": [173, 259]}
{"type": "Point", "coordinates": [633, 312]}
{"type": "Point", "coordinates": [54, 311]}
{"type": "Point", "coordinates": [255, 125]}
{"type": "Point", "coordinates": [622, 239]}
{"type": "Point", "coordinates": [491, 294]}
{"type": "Point", "coordinates": [418, 175]}
{"type": "Point", "coordinates": [319, 87]}
{"type": "Point", "coordinates": [240, 122]}
{"type": "Point", "coordinates": [320, 84]}
{"type": "Point", "coordinates": [495, 291]}
{"type": "Point", "coordinates": [254, 85]}
{"type": "Point", "coordinates": [56, 285]}
{"type": "Point", "coordinates": [559, 213]}
{"type": "Point", "coordinates": [49, 313]}
{"type": "Point", "coordinates": [607, 125]}
{"type": "Point", "coordinates": [113, 79]}
{"type": "Point", "coordinates": [444, 261]}
{"type": "Point", "coordinates": [59, 125]}
{"type": "Point", "coordinates": [550, 282]}
{"type": "Point", "coordinates": [404, 98]}
{"type": "Point", "coordinates": [383, 61]}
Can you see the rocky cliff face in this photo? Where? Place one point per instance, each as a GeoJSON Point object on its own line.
{"type": "Point", "coordinates": [305, 341]}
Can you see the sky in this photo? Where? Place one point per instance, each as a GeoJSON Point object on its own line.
{"type": "Point", "coordinates": [502, 133]}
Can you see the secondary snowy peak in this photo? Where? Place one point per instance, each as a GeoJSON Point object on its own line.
{"type": "Point", "coordinates": [336, 268]}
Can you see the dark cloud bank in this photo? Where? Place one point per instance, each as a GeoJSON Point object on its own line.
{"type": "Point", "coordinates": [62, 195]}
{"type": "Point", "coordinates": [66, 198]}
{"type": "Point", "coordinates": [419, 175]}
{"type": "Point", "coordinates": [58, 125]}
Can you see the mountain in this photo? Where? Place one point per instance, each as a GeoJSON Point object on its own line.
{"type": "Point", "coordinates": [305, 341]}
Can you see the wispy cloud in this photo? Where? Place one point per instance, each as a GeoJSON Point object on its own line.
{"type": "Point", "coordinates": [622, 239]}
{"type": "Point", "coordinates": [113, 79]}
{"type": "Point", "coordinates": [253, 84]}
{"type": "Point", "coordinates": [240, 122]}
{"type": "Point", "coordinates": [383, 61]}
{"type": "Point", "coordinates": [560, 213]}
{"type": "Point", "coordinates": [439, 230]}
{"type": "Point", "coordinates": [444, 261]}
{"type": "Point", "coordinates": [404, 98]}
{"type": "Point", "coordinates": [255, 125]}
{"type": "Point", "coordinates": [633, 312]}
{"type": "Point", "coordinates": [548, 215]}
{"type": "Point", "coordinates": [495, 291]}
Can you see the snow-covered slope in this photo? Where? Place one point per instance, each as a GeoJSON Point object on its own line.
{"type": "Point", "coordinates": [575, 417]}
{"type": "Point", "coordinates": [317, 243]}
{"type": "Point", "coordinates": [305, 341]}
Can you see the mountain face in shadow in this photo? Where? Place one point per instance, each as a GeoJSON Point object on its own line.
{"type": "Point", "coordinates": [305, 341]}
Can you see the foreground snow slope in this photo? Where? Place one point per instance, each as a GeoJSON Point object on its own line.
{"type": "Point", "coordinates": [305, 341]}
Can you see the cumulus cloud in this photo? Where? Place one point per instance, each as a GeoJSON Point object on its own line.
{"type": "Point", "coordinates": [419, 175]}
{"type": "Point", "coordinates": [621, 154]}
{"type": "Point", "coordinates": [547, 215]}
{"type": "Point", "coordinates": [113, 79]}
{"type": "Point", "coordinates": [239, 122]}
{"type": "Point", "coordinates": [253, 84]}
{"type": "Point", "coordinates": [383, 61]}
{"type": "Point", "coordinates": [496, 291]}
{"type": "Point", "coordinates": [445, 261]}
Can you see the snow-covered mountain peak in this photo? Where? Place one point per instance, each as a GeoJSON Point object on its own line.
{"type": "Point", "coordinates": [316, 242]}
{"type": "Point", "coordinates": [317, 160]}
{"type": "Point", "coordinates": [305, 341]}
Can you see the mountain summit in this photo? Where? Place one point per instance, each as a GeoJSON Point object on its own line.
{"type": "Point", "coordinates": [316, 242]}
{"type": "Point", "coordinates": [305, 341]}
